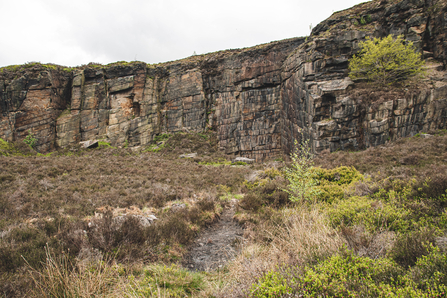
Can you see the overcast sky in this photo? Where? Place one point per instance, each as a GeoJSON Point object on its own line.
{"type": "Point", "coordinates": [73, 33]}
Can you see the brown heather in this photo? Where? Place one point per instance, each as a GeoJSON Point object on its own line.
{"type": "Point", "coordinates": [47, 248]}
{"type": "Point", "coordinates": [51, 199]}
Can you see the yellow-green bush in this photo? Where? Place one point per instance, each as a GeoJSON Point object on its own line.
{"type": "Point", "coordinates": [340, 176]}
{"type": "Point", "coordinates": [333, 183]}
{"type": "Point", "coordinates": [272, 284]}
{"type": "Point", "coordinates": [373, 215]}
{"type": "Point", "coordinates": [348, 275]}
{"type": "Point", "coordinates": [386, 60]}
{"type": "Point", "coordinates": [430, 271]}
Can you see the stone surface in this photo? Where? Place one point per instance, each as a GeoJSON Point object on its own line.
{"type": "Point", "coordinates": [189, 155]}
{"type": "Point", "coordinates": [259, 100]}
{"type": "Point", "coordinates": [244, 159]}
{"type": "Point", "coordinates": [90, 144]}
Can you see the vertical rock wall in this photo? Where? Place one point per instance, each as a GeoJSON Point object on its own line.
{"type": "Point", "coordinates": [31, 99]}
{"type": "Point", "coordinates": [259, 100]}
{"type": "Point", "coordinates": [235, 92]}
{"type": "Point", "coordinates": [320, 102]}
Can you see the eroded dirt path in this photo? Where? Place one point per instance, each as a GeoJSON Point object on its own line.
{"type": "Point", "coordinates": [216, 245]}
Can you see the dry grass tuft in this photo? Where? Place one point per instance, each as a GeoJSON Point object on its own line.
{"type": "Point", "coordinates": [304, 237]}
{"type": "Point", "coordinates": [60, 278]}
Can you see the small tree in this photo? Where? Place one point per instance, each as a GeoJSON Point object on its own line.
{"type": "Point", "coordinates": [302, 182]}
{"type": "Point", "coordinates": [386, 61]}
{"type": "Point", "coordinates": [30, 140]}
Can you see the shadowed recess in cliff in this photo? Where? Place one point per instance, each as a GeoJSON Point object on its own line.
{"type": "Point", "coordinates": [258, 100]}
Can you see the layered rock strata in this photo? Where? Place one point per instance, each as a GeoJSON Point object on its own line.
{"type": "Point", "coordinates": [259, 100]}
{"type": "Point", "coordinates": [320, 102]}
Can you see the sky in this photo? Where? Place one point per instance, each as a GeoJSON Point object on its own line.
{"type": "Point", "coordinates": [73, 33]}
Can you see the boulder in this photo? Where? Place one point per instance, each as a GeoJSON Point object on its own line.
{"type": "Point", "coordinates": [190, 155]}
{"type": "Point", "coordinates": [243, 159]}
{"type": "Point", "coordinates": [91, 144]}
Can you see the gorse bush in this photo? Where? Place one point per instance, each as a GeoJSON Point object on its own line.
{"type": "Point", "coordinates": [385, 61]}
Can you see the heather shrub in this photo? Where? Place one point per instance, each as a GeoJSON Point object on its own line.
{"type": "Point", "coordinates": [269, 193]}
{"type": "Point", "coordinates": [251, 202]}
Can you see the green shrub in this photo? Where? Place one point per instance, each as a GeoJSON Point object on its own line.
{"type": "Point", "coordinates": [30, 140]}
{"type": "Point", "coordinates": [103, 144]}
{"type": "Point", "coordinates": [272, 284]}
{"type": "Point", "coordinates": [333, 183]}
{"type": "Point", "coordinates": [430, 271]}
{"type": "Point", "coordinates": [302, 180]}
{"type": "Point", "coordinates": [348, 275]}
{"type": "Point", "coordinates": [371, 214]}
{"type": "Point", "coordinates": [340, 176]}
{"type": "Point", "coordinates": [411, 246]}
{"type": "Point", "coordinates": [4, 147]}
{"type": "Point", "coordinates": [385, 61]}
{"type": "Point", "coordinates": [162, 137]}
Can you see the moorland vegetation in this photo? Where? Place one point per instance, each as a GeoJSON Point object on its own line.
{"type": "Point", "coordinates": [375, 229]}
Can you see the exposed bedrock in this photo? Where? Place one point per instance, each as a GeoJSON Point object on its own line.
{"type": "Point", "coordinates": [258, 100]}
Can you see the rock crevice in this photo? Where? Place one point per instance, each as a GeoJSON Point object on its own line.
{"type": "Point", "coordinates": [259, 100]}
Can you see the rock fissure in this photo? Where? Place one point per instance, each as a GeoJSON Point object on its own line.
{"type": "Point", "coordinates": [259, 100]}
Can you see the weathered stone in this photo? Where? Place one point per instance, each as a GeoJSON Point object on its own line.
{"type": "Point", "coordinates": [90, 144]}
{"type": "Point", "coordinates": [243, 159]}
{"type": "Point", "coordinates": [426, 135]}
{"type": "Point", "coordinates": [259, 100]}
{"type": "Point", "coordinates": [120, 84]}
{"type": "Point", "coordinates": [190, 155]}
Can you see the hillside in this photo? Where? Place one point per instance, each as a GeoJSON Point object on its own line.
{"type": "Point", "coordinates": [116, 222]}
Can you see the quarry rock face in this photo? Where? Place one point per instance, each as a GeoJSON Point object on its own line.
{"type": "Point", "coordinates": [321, 103]}
{"type": "Point", "coordinates": [259, 100]}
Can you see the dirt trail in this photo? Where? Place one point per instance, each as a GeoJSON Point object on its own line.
{"type": "Point", "coordinates": [216, 245]}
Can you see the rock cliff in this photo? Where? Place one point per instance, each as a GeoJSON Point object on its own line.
{"type": "Point", "coordinates": [258, 100]}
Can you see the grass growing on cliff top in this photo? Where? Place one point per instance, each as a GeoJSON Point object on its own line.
{"type": "Point", "coordinates": [377, 227]}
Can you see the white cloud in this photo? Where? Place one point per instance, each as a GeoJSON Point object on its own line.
{"type": "Point", "coordinates": [78, 32]}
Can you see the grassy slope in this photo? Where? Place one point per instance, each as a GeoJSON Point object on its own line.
{"type": "Point", "coordinates": [388, 217]}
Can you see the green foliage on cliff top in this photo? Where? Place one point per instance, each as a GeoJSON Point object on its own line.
{"type": "Point", "coordinates": [14, 68]}
{"type": "Point", "coordinates": [386, 61]}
